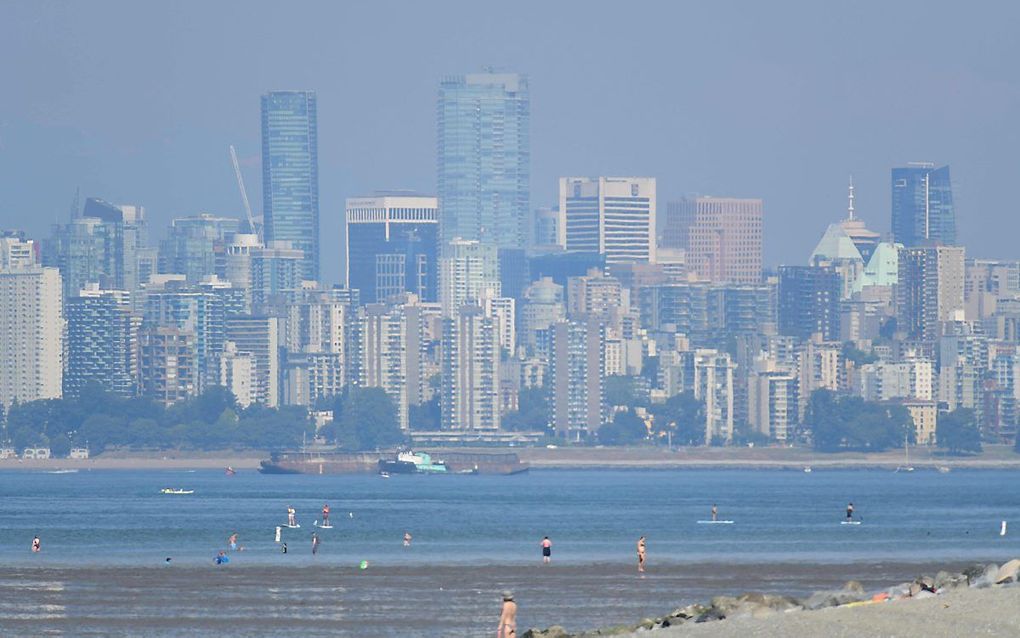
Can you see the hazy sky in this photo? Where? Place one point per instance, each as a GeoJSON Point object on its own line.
{"type": "Point", "coordinates": [136, 102]}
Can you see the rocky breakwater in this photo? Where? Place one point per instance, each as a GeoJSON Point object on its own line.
{"type": "Point", "coordinates": [852, 594]}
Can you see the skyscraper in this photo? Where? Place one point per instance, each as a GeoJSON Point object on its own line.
{"type": "Point", "coordinates": [290, 173]}
{"type": "Point", "coordinates": [922, 205]}
{"type": "Point", "coordinates": [722, 236]}
{"type": "Point", "coordinates": [484, 155]}
{"type": "Point", "coordinates": [930, 289]}
{"type": "Point", "coordinates": [393, 246]}
{"type": "Point", "coordinates": [614, 216]}
{"type": "Point", "coordinates": [31, 335]}
{"type": "Point", "coordinates": [577, 368]}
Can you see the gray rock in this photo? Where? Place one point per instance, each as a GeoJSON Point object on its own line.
{"type": "Point", "coordinates": [823, 599]}
{"type": "Point", "coordinates": [1008, 572]}
{"type": "Point", "coordinates": [551, 632]}
{"type": "Point", "coordinates": [690, 611]}
{"type": "Point", "coordinates": [854, 587]}
{"type": "Point", "coordinates": [709, 616]}
{"type": "Point", "coordinates": [946, 580]}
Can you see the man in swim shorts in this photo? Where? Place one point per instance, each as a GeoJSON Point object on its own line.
{"type": "Point", "coordinates": [508, 617]}
{"type": "Point", "coordinates": [290, 516]}
{"type": "Point", "coordinates": [325, 515]}
{"type": "Point", "coordinates": [546, 550]}
{"type": "Point", "coordinates": [850, 512]}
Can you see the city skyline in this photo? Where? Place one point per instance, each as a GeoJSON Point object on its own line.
{"type": "Point", "coordinates": [177, 165]}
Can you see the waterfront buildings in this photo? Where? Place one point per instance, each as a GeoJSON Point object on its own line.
{"type": "Point", "coordinates": [470, 381]}
{"type": "Point", "coordinates": [577, 372]}
{"type": "Point", "coordinates": [102, 342]}
{"type": "Point", "coordinates": [468, 269]}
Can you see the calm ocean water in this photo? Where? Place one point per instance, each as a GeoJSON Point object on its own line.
{"type": "Point", "coordinates": [116, 517]}
{"type": "Point", "coordinates": [106, 534]}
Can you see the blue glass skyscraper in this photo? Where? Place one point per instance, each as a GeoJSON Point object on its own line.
{"type": "Point", "coordinates": [290, 173]}
{"type": "Point", "coordinates": [484, 155]}
{"type": "Point", "coordinates": [922, 206]}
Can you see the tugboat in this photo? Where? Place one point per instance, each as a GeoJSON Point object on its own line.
{"type": "Point", "coordinates": [412, 463]}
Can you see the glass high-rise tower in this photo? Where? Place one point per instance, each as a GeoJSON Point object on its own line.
{"type": "Point", "coordinates": [922, 206]}
{"type": "Point", "coordinates": [290, 174]}
{"type": "Point", "coordinates": [484, 154]}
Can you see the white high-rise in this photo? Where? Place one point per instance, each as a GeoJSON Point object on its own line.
{"type": "Point", "coordinates": [470, 388]}
{"type": "Point", "coordinates": [467, 270]}
{"type": "Point", "coordinates": [31, 335]}
{"type": "Point", "coordinates": [614, 216]}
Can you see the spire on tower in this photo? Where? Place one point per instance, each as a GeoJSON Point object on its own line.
{"type": "Point", "coordinates": [850, 205]}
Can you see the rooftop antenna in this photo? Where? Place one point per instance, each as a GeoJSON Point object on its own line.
{"type": "Point", "coordinates": [244, 195]}
{"type": "Point", "coordinates": [850, 205]}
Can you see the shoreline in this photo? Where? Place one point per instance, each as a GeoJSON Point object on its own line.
{"type": "Point", "coordinates": [995, 457]}
{"type": "Point", "coordinates": [982, 597]}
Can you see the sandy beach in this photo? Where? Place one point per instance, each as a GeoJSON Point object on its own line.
{"type": "Point", "coordinates": [964, 612]}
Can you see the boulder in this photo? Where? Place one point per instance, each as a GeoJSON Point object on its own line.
{"type": "Point", "coordinates": [946, 580]}
{"type": "Point", "coordinates": [551, 632]}
{"type": "Point", "coordinates": [1008, 572]}
{"type": "Point", "coordinates": [710, 615]}
{"type": "Point", "coordinates": [987, 577]}
{"type": "Point", "coordinates": [822, 599]}
{"type": "Point", "coordinates": [690, 611]}
{"type": "Point", "coordinates": [725, 605]}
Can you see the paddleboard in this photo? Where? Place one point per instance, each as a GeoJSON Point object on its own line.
{"type": "Point", "coordinates": [323, 526]}
{"type": "Point", "coordinates": [850, 522]}
{"type": "Point", "coordinates": [292, 526]}
{"type": "Point", "coordinates": [715, 522]}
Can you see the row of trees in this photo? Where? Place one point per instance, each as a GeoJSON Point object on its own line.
{"type": "Point", "coordinates": [101, 420]}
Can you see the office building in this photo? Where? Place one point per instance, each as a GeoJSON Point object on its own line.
{"type": "Point", "coordinates": [613, 216]}
{"type": "Point", "coordinates": [31, 335]}
{"type": "Point", "coordinates": [722, 237]}
{"type": "Point", "coordinates": [470, 369]}
{"type": "Point", "coordinates": [102, 342]}
{"type": "Point", "coordinates": [276, 276]}
{"type": "Point", "coordinates": [393, 247]}
{"type": "Point", "coordinates": [922, 205]}
{"type": "Point", "coordinates": [484, 156]}
{"type": "Point", "coordinates": [290, 174]}
{"type": "Point", "coordinates": [809, 301]}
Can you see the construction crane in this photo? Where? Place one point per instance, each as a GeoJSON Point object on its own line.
{"type": "Point", "coordinates": [244, 195]}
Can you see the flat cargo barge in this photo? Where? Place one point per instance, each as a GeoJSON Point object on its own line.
{"type": "Point", "coordinates": [337, 462]}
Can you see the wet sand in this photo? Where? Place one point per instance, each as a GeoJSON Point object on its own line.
{"type": "Point", "coordinates": [237, 600]}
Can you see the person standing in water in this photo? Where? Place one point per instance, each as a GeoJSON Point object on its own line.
{"type": "Point", "coordinates": [233, 541]}
{"type": "Point", "coordinates": [641, 554]}
{"type": "Point", "coordinates": [407, 539]}
{"type": "Point", "coordinates": [315, 543]}
{"type": "Point", "coordinates": [507, 627]}
{"type": "Point", "coordinates": [849, 512]}
{"type": "Point", "coordinates": [290, 516]}
{"type": "Point", "coordinates": [715, 513]}
{"type": "Point", "coordinates": [546, 550]}
{"type": "Point", "coordinates": [36, 545]}
{"type": "Point", "coordinates": [325, 515]}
